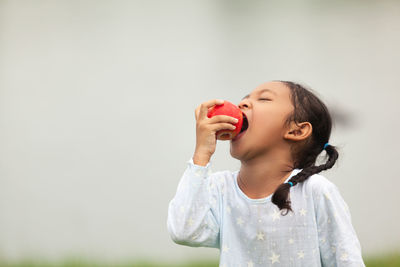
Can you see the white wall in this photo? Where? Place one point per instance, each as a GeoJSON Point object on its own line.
{"type": "Point", "coordinates": [97, 104]}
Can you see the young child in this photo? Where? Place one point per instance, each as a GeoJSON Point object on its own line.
{"type": "Point", "coordinates": [277, 210]}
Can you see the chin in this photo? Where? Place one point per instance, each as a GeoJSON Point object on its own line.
{"type": "Point", "coordinates": [237, 152]}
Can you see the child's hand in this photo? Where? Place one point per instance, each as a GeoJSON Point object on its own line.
{"type": "Point", "coordinates": [206, 129]}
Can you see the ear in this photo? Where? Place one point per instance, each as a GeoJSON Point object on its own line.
{"type": "Point", "coordinates": [299, 131]}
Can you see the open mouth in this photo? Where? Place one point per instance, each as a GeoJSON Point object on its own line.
{"type": "Point", "coordinates": [245, 124]}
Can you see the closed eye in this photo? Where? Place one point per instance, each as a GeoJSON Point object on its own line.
{"type": "Point", "coordinates": [264, 99]}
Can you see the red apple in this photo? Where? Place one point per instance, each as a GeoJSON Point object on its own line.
{"type": "Point", "coordinates": [229, 109]}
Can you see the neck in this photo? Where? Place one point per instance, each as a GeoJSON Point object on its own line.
{"type": "Point", "coordinates": [260, 176]}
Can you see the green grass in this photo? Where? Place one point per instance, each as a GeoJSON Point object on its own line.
{"type": "Point", "coordinates": [388, 260]}
{"type": "Point", "coordinates": [81, 263]}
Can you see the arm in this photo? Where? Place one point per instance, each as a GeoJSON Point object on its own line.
{"type": "Point", "coordinates": [338, 242]}
{"type": "Point", "coordinates": [193, 213]}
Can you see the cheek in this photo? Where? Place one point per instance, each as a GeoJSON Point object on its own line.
{"type": "Point", "coordinates": [274, 120]}
{"type": "Point", "coordinates": [269, 127]}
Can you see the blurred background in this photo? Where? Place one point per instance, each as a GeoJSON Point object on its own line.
{"type": "Point", "coordinates": [97, 103]}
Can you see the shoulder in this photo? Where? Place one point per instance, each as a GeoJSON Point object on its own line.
{"type": "Point", "coordinates": [222, 176]}
{"type": "Point", "coordinates": [325, 194]}
{"type": "Point", "coordinates": [223, 179]}
{"type": "Point", "coordinates": [318, 184]}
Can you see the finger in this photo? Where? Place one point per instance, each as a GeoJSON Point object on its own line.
{"type": "Point", "coordinates": [223, 118]}
{"type": "Point", "coordinates": [221, 126]}
{"type": "Point", "coordinates": [196, 112]}
{"type": "Point", "coordinates": [206, 105]}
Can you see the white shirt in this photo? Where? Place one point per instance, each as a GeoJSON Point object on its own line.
{"type": "Point", "coordinates": [210, 210]}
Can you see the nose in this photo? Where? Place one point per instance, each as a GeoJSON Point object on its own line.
{"type": "Point", "coordinates": [245, 103]}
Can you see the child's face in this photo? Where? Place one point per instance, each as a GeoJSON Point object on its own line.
{"type": "Point", "coordinates": [266, 112]}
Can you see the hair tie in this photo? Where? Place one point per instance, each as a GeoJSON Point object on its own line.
{"type": "Point", "coordinates": [327, 144]}
{"type": "Point", "coordinates": [291, 184]}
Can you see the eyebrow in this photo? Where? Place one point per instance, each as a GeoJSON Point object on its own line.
{"type": "Point", "coordinates": [261, 91]}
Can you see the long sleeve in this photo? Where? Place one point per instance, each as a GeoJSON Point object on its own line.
{"type": "Point", "coordinates": [338, 242]}
{"type": "Point", "coordinates": [194, 212]}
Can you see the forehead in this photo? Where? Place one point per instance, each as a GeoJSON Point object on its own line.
{"type": "Point", "coordinates": [277, 89]}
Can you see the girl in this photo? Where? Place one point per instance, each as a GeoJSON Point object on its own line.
{"type": "Point", "coordinates": [277, 210]}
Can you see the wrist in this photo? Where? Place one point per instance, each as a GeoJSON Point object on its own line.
{"type": "Point", "coordinates": [201, 159]}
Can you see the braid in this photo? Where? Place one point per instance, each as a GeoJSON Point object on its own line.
{"type": "Point", "coordinates": [281, 195]}
{"type": "Point", "coordinates": [307, 108]}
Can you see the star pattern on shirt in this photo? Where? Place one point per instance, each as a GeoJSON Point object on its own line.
{"type": "Point", "coordinates": [344, 256]}
{"type": "Point", "coordinates": [198, 172]}
{"type": "Point", "coordinates": [275, 215]}
{"type": "Point", "coordinates": [303, 212]}
{"type": "Point", "coordinates": [260, 236]}
{"type": "Point", "coordinates": [225, 248]}
{"type": "Point", "coordinates": [239, 221]}
{"type": "Point", "coordinates": [274, 258]}
{"type": "Point", "coordinates": [190, 221]}
{"type": "Point", "coordinates": [335, 214]}
{"type": "Point", "coordinates": [300, 254]}
{"type": "Point", "coordinates": [328, 196]}
{"type": "Point", "coordinates": [250, 264]}
{"type": "Point", "coordinates": [291, 241]}
{"type": "Point", "coordinates": [228, 209]}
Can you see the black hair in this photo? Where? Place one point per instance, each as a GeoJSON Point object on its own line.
{"type": "Point", "coordinates": [307, 108]}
